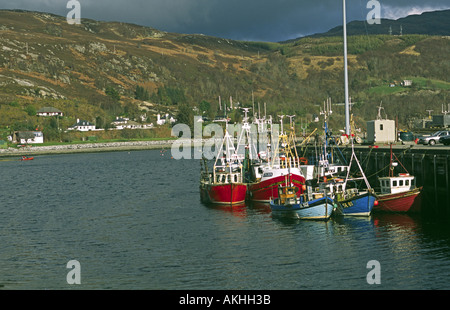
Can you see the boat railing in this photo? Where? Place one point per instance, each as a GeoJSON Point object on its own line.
{"type": "Point", "coordinates": [228, 178]}
{"type": "Point", "coordinates": [291, 162]}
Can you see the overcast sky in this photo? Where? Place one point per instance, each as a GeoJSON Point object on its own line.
{"type": "Point", "coordinates": [256, 20]}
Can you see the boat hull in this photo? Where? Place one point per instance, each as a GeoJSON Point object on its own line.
{"type": "Point", "coordinates": [409, 201]}
{"type": "Point", "coordinates": [320, 209]}
{"type": "Point", "coordinates": [359, 205]}
{"type": "Point", "coordinates": [267, 190]}
{"type": "Point", "coordinates": [233, 193]}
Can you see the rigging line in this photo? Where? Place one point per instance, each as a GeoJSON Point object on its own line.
{"type": "Point", "coordinates": [387, 166]}
{"type": "Point", "coordinates": [367, 159]}
{"type": "Point", "coordinates": [365, 23]}
{"type": "Point", "coordinates": [370, 49]}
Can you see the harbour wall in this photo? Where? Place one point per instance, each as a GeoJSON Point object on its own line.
{"type": "Point", "coordinates": [429, 164]}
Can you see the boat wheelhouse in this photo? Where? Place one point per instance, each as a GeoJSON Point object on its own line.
{"type": "Point", "coordinates": [398, 193]}
{"type": "Point", "coordinates": [393, 185]}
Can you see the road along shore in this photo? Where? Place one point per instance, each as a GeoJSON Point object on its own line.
{"type": "Point", "coordinates": [86, 148]}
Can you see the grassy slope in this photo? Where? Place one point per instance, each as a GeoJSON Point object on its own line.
{"type": "Point", "coordinates": [77, 63]}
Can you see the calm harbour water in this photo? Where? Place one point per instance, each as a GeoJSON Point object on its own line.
{"type": "Point", "coordinates": [134, 221]}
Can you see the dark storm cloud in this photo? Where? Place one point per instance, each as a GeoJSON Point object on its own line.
{"type": "Point", "coordinates": [270, 20]}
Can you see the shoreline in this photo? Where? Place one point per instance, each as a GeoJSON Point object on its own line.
{"type": "Point", "coordinates": [97, 147]}
{"type": "Point", "coordinates": [86, 148]}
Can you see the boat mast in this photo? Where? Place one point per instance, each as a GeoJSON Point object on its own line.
{"type": "Point", "coordinates": [391, 166]}
{"type": "Point", "coordinates": [347, 106]}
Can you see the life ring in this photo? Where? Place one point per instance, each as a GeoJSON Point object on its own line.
{"type": "Point", "coordinates": [303, 160]}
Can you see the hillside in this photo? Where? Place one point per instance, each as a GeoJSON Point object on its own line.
{"type": "Point", "coordinates": [428, 23]}
{"type": "Point", "coordinates": [99, 70]}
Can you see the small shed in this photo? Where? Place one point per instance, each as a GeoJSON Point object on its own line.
{"type": "Point", "coordinates": [381, 131]}
{"type": "Point", "coordinates": [407, 83]}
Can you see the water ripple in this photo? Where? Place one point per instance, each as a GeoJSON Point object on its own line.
{"type": "Point", "coordinates": [134, 221]}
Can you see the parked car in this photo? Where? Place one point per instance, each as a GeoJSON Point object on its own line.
{"type": "Point", "coordinates": [445, 140]}
{"type": "Point", "coordinates": [434, 138]}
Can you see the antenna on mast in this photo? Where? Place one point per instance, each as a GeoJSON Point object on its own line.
{"type": "Point", "coordinates": [379, 112]}
{"type": "Point", "coordinates": [245, 114]}
{"type": "Point", "coordinates": [281, 121]}
{"type": "Point", "coordinates": [253, 103]}
{"type": "Point", "coordinates": [290, 120]}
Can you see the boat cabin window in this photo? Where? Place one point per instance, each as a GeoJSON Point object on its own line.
{"type": "Point", "coordinates": [394, 183]}
{"type": "Point", "coordinates": [407, 182]}
{"type": "Point", "coordinates": [267, 174]}
{"type": "Point", "coordinates": [400, 183]}
{"type": "Point", "coordinates": [381, 126]}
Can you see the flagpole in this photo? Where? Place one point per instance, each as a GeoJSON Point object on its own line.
{"type": "Point", "coordinates": [347, 107]}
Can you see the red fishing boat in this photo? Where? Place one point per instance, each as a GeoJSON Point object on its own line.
{"type": "Point", "coordinates": [225, 184]}
{"type": "Point", "coordinates": [229, 193]}
{"type": "Point", "coordinates": [398, 193]}
{"type": "Point", "coordinates": [271, 174]}
{"type": "Point", "coordinates": [267, 188]}
{"type": "Point", "coordinates": [26, 158]}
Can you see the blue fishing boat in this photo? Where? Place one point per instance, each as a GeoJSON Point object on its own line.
{"type": "Point", "coordinates": [312, 206]}
{"type": "Point", "coordinates": [358, 204]}
{"type": "Point", "coordinates": [351, 200]}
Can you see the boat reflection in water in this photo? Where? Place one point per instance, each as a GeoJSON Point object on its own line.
{"type": "Point", "coordinates": [396, 222]}
{"type": "Point", "coordinates": [238, 210]}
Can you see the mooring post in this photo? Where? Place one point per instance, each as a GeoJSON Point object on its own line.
{"type": "Point", "coordinates": [435, 181]}
{"type": "Point", "coordinates": [376, 163]}
{"type": "Point", "coordinates": [446, 181]}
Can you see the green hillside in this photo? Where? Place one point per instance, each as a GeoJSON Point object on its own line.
{"type": "Point", "coordinates": [100, 70]}
{"type": "Point", "coordinates": [428, 23]}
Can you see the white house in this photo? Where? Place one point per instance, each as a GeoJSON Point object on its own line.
{"type": "Point", "coordinates": [121, 120]}
{"type": "Point", "coordinates": [29, 137]}
{"type": "Point", "coordinates": [82, 126]}
{"type": "Point", "coordinates": [124, 123]}
{"type": "Point", "coordinates": [49, 111]}
{"type": "Point", "coordinates": [168, 119]}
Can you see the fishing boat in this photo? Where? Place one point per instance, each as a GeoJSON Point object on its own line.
{"type": "Point", "coordinates": [356, 203]}
{"type": "Point", "coordinates": [398, 193]}
{"type": "Point", "coordinates": [315, 205]}
{"type": "Point", "coordinates": [225, 184]}
{"type": "Point", "coordinates": [23, 158]}
{"type": "Point", "coordinates": [270, 174]}
{"type": "Point", "coordinates": [351, 200]}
